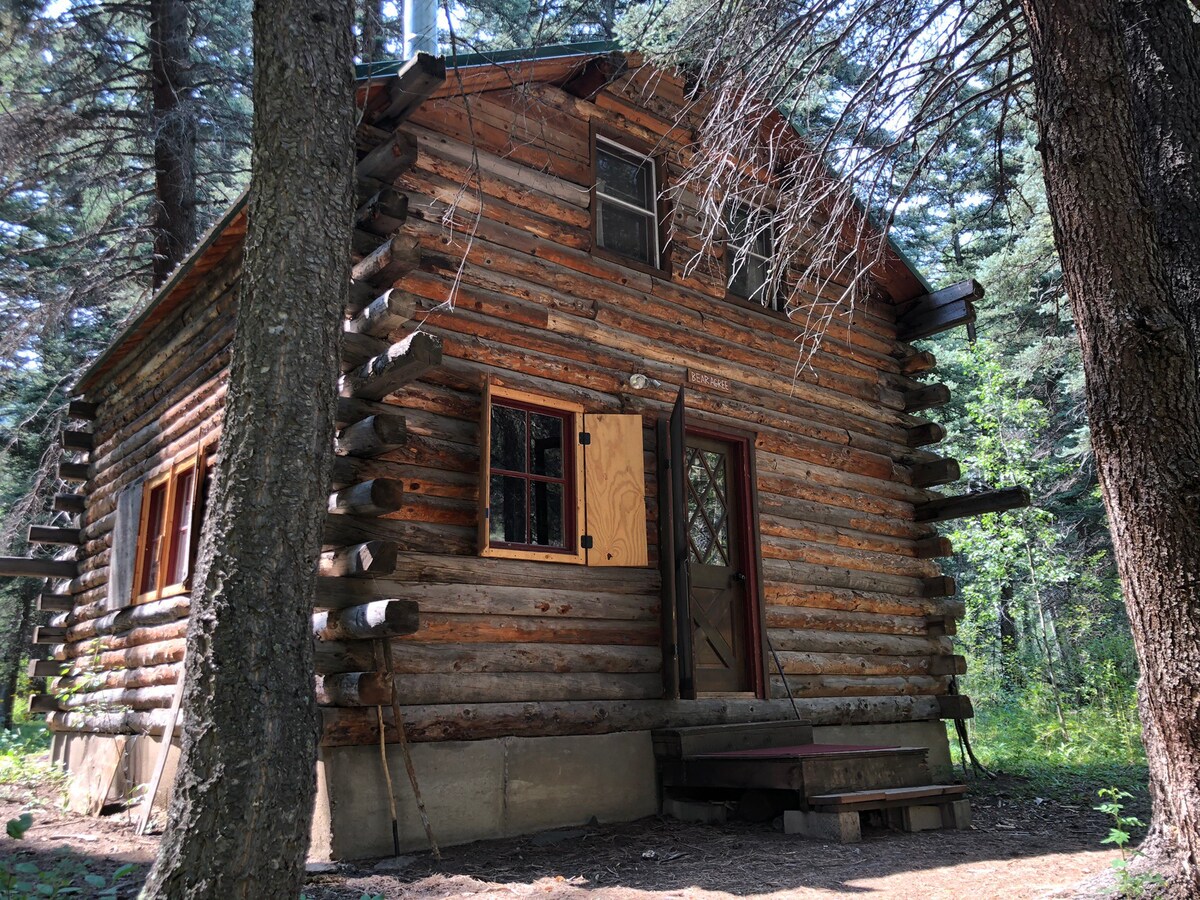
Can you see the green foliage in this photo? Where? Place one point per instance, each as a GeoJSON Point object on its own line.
{"type": "Point", "coordinates": [69, 877]}
{"type": "Point", "coordinates": [1130, 884]}
{"type": "Point", "coordinates": [17, 827]}
{"type": "Point", "coordinates": [23, 757]}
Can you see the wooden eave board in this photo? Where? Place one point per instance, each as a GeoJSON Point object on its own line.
{"type": "Point", "coordinates": [223, 238]}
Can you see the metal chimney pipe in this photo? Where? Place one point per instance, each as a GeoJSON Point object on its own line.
{"type": "Point", "coordinates": [420, 27]}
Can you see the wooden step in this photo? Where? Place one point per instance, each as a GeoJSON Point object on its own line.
{"type": "Point", "coordinates": [872, 798]}
{"type": "Point", "coordinates": [676, 743]}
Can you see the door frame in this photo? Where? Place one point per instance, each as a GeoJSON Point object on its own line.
{"type": "Point", "coordinates": [675, 641]}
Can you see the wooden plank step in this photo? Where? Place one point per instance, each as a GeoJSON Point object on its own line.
{"type": "Point", "coordinates": [675, 743]}
{"type": "Point", "coordinates": [851, 798]}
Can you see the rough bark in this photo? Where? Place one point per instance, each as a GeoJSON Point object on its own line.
{"type": "Point", "coordinates": [174, 136]}
{"type": "Point", "coordinates": [239, 818]}
{"type": "Point", "coordinates": [1141, 386]}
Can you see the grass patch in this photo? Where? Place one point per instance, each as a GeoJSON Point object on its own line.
{"type": "Point", "coordinates": [24, 761]}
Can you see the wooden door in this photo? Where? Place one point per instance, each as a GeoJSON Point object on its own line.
{"type": "Point", "coordinates": [719, 561]}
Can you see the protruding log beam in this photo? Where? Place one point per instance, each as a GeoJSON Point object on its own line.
{"type": "Point", "coordinates": [52, 534]}
{"type": "Point", "coordinates": [926, 397]}
{"type": "Point", "coordinates": [49, 634]}
{"type": "Point", "coordinates": [383, 315]}
{"type": "Point", "coordinates": [940, 311]}
{"type": "Point", "coordinates": [25, 567]}
{"type": "Point", "coordinates": [372, 436]}
{"type": "Point", "coordinates": [354, 689]}
{"type": "Point", "coordinates": [394, 258]}
{"type": "Point", "coordinates": [939, 586]}
{"type": "Point", "coordinates": [55, 602]}
{"type": "Point", "coordinates": [70, 503]}
{"type": "Point", "coordinates": [377, 619]}
{"type": "Point", "coordinates": [403, 362]}
{"type": "Point", "coordinates": [82, 410]}
{"type": "Point", "coordinates": [356, 349]}
{"type": "Point", "coordinates": [76, 440]}
{"type": "Point", "coordinates": [73, 471]}
{"type": "Point", "coordinates": [937, 471]}
{"type": "Point", "coordinates": [942, 625]}
{"type": "Point", "coordinates": [390, 159]}
{"type": "Point", "coordinates": [955, 706]}
{"type": "Point", "coordinates": [934, 547]}
{"type": "Point", "coordinates": [412, 85]}
{"type": "Point", "coordinates": [948, 665]}
{"type": "Point", "coordinates": [925, 433]}
{"type": "Point", "coordinates": [963, 505]}
{"type": "Point", "coordinates": [368, 558]}
{"type": "Point", "coordinates": [44, 703]}
{"type": "Point", "coordinates": [376, 497]}
{"type": "Point", "coordinates": [916, 363]}
{"type": "Point", "coordinates": [46, 668]}
{"type": "Point", "coordinates": [383, 213]}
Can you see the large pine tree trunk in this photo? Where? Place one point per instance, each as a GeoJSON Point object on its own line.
{"type": "Point", "coordinates": [174, 121]}
{"type": "Point", "coordinates": [238, 824]}
{"type": "Point", "coordinates": [1141, 386]}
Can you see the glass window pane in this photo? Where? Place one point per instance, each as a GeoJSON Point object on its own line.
{"type": "Point", "coordinates": [508, 438]}
{"type": "Point", "coordinates": [626, 232]}
{"type": "Point", "coordinates": [181, 536]}
{"type": "Point", "coordinates": [739, 281]}
{"type": "Point", "coordinates": [506, 516]}
{"type": "Point", "coordinates": [630, 180]}
{"type": "Point", "coordinates": [545, 445]}
{"type": "Point", "coordinates": [546, 514]}
{"type": "Point", "coordinates": [152, 539]}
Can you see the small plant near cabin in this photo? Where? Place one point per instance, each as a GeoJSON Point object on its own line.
{"type": "Point", "coordinates": [17, 827]}
{"type": "Point", "coordinates": [68, 878]}
{"type": "Point", "coordinates": [1128, 883]}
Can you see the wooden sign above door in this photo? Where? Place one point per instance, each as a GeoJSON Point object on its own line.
{"type": "Point", "coordinates": [712, 382]}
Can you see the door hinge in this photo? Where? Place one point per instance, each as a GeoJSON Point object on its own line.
{"type": "Point", "coordinates": [585, 438]}
{"type": "Point", "coordinates": [586, 542]}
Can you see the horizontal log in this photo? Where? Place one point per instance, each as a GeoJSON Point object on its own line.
{"type": "Point", "coordinates": [416, 80]}
{"type": "Point", "coordinates": [49, 634]}
{"type": "Point", "coordinates": [430, 568]}
{"type": "Point", "coordinates": [515, 687]}
{"type": "Point", "coordinates": [934, 548]}
{"type": "Point", "coordinates": [939, 586]}
{"type": "Point", "coordinates": [152, 721]}
{"type": "Point", "coordinates": [55, 602]}
{"type": "Point", "coordinates": [955, 706]}
{"type": "Point", "coordinates": [384, 211]}
{"type": "Point", "coordinates": [141, 615]}
{"type": "Point", "coordinates": [73, 471]}
{"type": "Point", "coordinates": [810, 663]}
{"type": "Point", "coordinates": [976, 504]}
{"type": "Point", "coordinates": [44, 703]}
{"type": "Point", "coordinates": [934, 472]}
{"type": "Point", "coordinates": [391, 260]}
{"type": "Point", "coordinates": [25, 567]}
{"type": "Point", "coordinates": [799, 617]}
{"type": "Point", "coordinates": [942, 624]}
{"type": "Point", "coordinates": [354, 689]}
{"type": "Point", "coordinates": [859, 686]}
{"type": "Point", "coordinates": [926, 397]}
{"type": "Point", "coordinates": [390, 159]}
{"type": "Point", "coordinates": [939, 311]}
{"type": "Point", "coordinates": [81, 409]}
{"type": "Point", "coordinates": [916, 363]}
{"type": "Point", "coordinates": [379, 618]}
{"type": "Point", "coordinates": [46, 668]}
{"type": "Point", "coordinates": [948, 665]}
{"type": "Point", "coordinates": [458, 722]}
{"type": "Point", "coordinates": [403, 362]}
{"type": "Point", "coordinates": [76, 440]}
{"type": "Point", "coordinates": [372, 436]}
{"type": "Point", "coordinates": [376, 497]}
{"type": "Point", "coordinates": [821, 641]}
{"type": "Point", "coordinates": [367, 558]}
{"type": "Point", "coordinates": [53, 534]}
{"type": "Point", "coordinates": [389, 311]}
{"type": "Point", "coordinates": [355, 349]}
{"type": "Point", "coordinates": [925, 433]}
{"type": "Point", "coordinates": [156, 696]}
{"type": "Point", "coordinates": [75, 504]}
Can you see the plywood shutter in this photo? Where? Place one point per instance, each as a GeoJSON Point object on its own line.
{"type": "Point", "coordinates": [124, 546]}
{"type": "Point", "coordinates": [615, 482]}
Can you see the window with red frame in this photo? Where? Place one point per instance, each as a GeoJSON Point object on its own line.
{"type": "Point", "coordinates": [170, 517]}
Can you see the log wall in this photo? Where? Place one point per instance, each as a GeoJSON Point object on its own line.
{"type": "Point", "coordinates": [509, 647]}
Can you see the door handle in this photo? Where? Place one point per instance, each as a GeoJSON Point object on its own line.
{"type": "Point", "coordinates": [739, 577]}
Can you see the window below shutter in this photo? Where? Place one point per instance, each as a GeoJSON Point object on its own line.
{"type": "Point", "coordinates": [615, 491]}
{"type": "Point", "coordinates": [124, 546]}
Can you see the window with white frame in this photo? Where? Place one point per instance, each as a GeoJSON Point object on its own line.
{"type": "Point", "coordinates": [626, 202]}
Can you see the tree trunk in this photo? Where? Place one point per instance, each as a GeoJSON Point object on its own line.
{"type": "Point", "coordinates": [174, 124]}
{"type": "Point", "coordinates": [1141, 386]}
{"type": "Point", "coordinates": [1009, 667]}
{"type": "Point", "coordinates": [239, 820]}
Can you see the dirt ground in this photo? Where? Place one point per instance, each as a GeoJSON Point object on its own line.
{"type": "Point", "coordinates": [1021, 846]}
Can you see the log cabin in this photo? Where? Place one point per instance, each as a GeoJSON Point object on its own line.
{"type": "Point", "coordinates": [591, 537]}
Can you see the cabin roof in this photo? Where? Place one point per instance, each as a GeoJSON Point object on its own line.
{"type": "Point", "coordinates": [473, 72]}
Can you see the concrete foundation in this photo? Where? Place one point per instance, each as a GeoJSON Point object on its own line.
{"type": "Point", "coordinates": [107, 768]}
{"type": "Point", "coordinates": [481, 789]}
{"type": "Point", "coordinates": [833, 827]}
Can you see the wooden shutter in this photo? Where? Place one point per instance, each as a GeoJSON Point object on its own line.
{"type": "Point", "coordinates": [615, 491]}
{"type": "Point", "coordinates": [682, 580]}
{"type": "Point", "coordinates": [124, 546]}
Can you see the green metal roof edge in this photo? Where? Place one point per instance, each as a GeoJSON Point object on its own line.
{"type": "Point", "coordinates": [493, 58]}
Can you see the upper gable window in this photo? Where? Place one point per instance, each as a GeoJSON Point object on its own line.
{"type": "Point", "coordinates": [751, 247]}
{"type": "Point", "coordinates": [626, 203]}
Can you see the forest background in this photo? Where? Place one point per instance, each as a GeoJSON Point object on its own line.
{"type": "Point", "coordinates": [1051, 667]}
